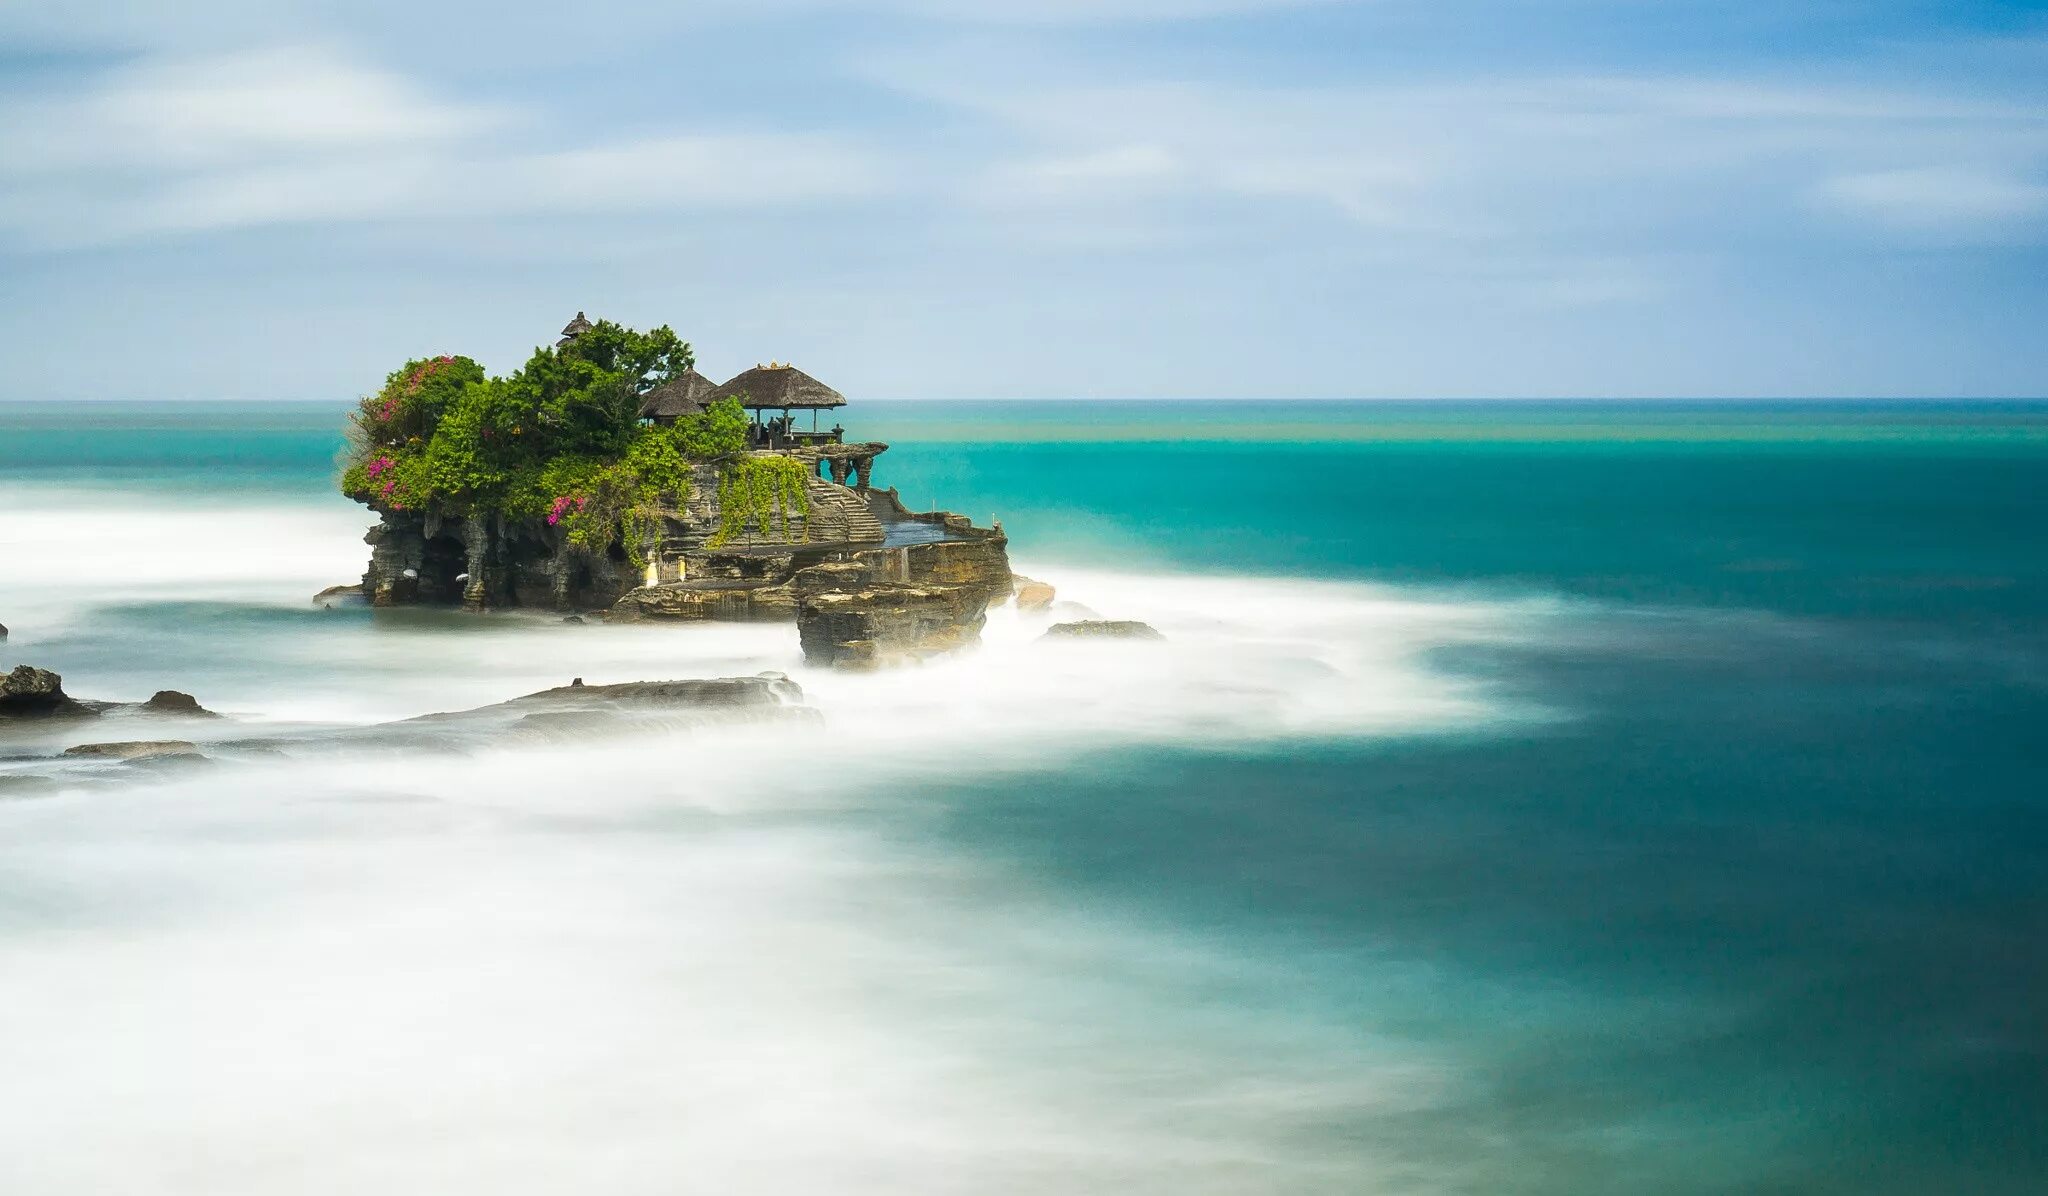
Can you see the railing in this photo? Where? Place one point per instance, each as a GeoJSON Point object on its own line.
{"type": "Point", "coordinates": [762, 437]}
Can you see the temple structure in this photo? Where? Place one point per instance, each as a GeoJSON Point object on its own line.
{"type": "Point", "coordinates": [687, 394]}
{"type": "Point", "coordinates": [573, 329]}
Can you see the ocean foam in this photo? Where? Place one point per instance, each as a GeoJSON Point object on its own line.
{"type": "Point", "coordinates": [659, 961]}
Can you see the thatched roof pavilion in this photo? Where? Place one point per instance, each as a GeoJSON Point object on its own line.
{"type": "Point", "coordinates": [779, 387]}
{"type": "Point", "coordinates": [688, 393]}
{"type": "Point", "coordinates": [573, 329]}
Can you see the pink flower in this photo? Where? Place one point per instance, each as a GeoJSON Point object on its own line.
{"type": "Point", "coordinates": [560, 509]}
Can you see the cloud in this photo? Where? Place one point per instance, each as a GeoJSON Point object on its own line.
{"type": "Point", "coordinates": [292, 101]}
{"type": "Point", "coordinates": [1937, 197]}
{"type": "Point", "coordinates": [1600, 164]}
{"type": "Point", "coordinates": [298, 134]}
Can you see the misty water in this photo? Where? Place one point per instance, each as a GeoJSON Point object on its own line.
{"type": "Point", "coordinates": [1532, 797]}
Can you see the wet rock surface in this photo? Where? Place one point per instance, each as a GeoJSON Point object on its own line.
{"type": "Point", "coordinates": [135, 749]}
{"type": "Point", "coordinates": [1107, 629]}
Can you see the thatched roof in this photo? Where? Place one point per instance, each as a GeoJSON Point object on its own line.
{"type": "Point", "coordinates": [775, 386]}
{"type": "Point", "coordinates": [574, 328]}
{"type": "Point", "coordinates": [688, 393]}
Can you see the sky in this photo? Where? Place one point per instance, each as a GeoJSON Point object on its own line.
{"type": "Point", "coordinates": [932, 199]}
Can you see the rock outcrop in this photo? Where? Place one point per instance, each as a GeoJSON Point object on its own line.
{"type": "Point", "coordinates": [1032, 595]}
{"type": "Point", "coordinates": [339, 595]}
{"type": "Point", "coordinates": [1109, 629]}
{"type": "Point", "coordinates": [30, 692]}
{"type": "Point", "coordinates": [171, 701]}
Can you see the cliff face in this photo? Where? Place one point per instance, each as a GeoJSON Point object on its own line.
{"type": "Point", "coordinates": [486, 562]}
{"type": "Point", "coordinates": [867, 581]}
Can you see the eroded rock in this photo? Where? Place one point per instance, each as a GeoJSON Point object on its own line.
{"type": "Point", "coordinates": [902, 605]}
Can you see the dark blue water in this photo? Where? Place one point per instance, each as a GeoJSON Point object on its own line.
{"type": "Point", "coordinates": [1761, 910]}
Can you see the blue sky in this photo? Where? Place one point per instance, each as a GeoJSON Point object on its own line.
{"type": "Point", "coordinates": [1038, 198]}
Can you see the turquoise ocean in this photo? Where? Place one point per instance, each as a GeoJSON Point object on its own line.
{"type": "Point", "coordinates": [1530, 797]}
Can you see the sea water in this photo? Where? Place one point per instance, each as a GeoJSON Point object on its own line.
{"type": "Point", "coordinates": [1528, 797]}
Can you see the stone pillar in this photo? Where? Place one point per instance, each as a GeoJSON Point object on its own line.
{"type": "Point", "coordinates": [840, 467]}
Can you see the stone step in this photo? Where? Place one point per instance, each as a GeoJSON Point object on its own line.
{"type": "Point", "coordinates": [861, 524]}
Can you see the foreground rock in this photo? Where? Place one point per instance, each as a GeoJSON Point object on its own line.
{"type": "Point", "coordinates": [574, 711]}
{"type": "Point", "coordinates": [1103, 629]}
{"type": "Point", "coordinates": [138, 749]}
{"type": "Point", "coordinates": [578, 708]}
{"type": "Point", "coordinates": [30, 692]}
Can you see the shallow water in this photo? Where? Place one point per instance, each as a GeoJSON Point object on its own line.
{"type": "Point", "coordinates": [1529, 797]}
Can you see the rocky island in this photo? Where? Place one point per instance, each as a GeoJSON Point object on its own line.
{"type": "Point", "coordinates": [608, 475]}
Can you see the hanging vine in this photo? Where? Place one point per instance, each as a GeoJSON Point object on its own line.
{"type": "Point", "coordinates": [761, 496]}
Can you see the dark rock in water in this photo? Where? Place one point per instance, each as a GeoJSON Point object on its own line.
{"type": "Point", "coordinates": [572, 618]}
{"type": "Point", "coordinates": [3, 631]}
{"type": "Point", "coordinates": [140, 749]}
{"type": "Point", "coordinates": [352, 592]}
{"type": "Point", "coordinates": [30, 692]}
{"type": "Point", "coordinates": [171, 701]}
{"type": "Point", "coordinates": [1110, 629]}
{"type": "Point", "coordinates": [765, 690]}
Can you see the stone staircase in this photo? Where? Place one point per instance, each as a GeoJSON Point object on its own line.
{"type": "Point", "coordinates": [834, 506]}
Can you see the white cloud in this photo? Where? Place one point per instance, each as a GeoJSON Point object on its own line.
{"type": "Point", "coordinates": [1936, 197]}
{"type": "Point", "coordinates": [291, 101]}
{"type": "Point", "coordinates": [1604, 165]}
{"type": "Point", "coordinates": [1129, 168]}
{"type": "Point", "coordinates": [308, 134]}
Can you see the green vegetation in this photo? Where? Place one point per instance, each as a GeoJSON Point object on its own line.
{"type": "Point", "coordinates": [559, 439]}
{"type": "Point", "coordinates": [755, 492]}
